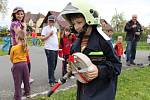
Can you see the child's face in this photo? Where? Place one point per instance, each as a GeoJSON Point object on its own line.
{"type": "Point", "coordinates": [67, 33]}
{"type": "Point", "coordinates": [78, 23]}
{"type": "Point", "coordinates": [120, 39]}
{"type": "Point", "coordinates": [110, 33]}
{"type": "Point", "coordinates": [103, 24]}
{"type": "Point", "coordinates": [19, 15]}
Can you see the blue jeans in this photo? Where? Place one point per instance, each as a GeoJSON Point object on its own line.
{"type": "Point", "coordinates": [33, 41]}
{"type": "Point", "coordinates": [131, 50]}
{"type": "Point", "coordinates": [52, 62]}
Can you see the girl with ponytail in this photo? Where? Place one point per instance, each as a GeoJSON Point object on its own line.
{"type": "Point", "coordinates": [19, 69]}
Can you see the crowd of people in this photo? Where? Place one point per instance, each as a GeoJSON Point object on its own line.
{"type": "Point", "coordinates": [85, 36]}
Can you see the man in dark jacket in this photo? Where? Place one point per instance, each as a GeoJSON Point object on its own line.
{"type": "Point", "coordinates": [134, 30]}
{"type": "Point", "coordinates": [92, 39]}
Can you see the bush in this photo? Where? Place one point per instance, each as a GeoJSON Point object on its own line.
{"type": "Point", "coordinates": [116, 34]}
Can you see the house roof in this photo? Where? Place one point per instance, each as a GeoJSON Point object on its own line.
{"type": "Point", "coordinates": [34, 17]}
{"type": "Point", "coordinates": [60, 21]}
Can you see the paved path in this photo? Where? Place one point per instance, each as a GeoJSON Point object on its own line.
{"type": "Point", "coordinates": [39, 72]}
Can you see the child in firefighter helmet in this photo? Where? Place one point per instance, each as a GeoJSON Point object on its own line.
{"type": "Point", "coordinates": [94, 43]}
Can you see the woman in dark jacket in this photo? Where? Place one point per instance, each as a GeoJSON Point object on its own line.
{"type": "Point", "coordinates": [91, 38]}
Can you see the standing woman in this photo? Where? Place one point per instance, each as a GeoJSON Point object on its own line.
{"type": "Point", "coordinates": [18, 24]}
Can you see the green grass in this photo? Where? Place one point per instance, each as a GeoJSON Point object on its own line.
{"type": "Point", "coordinates": [133, 84]}
{"type": "Point", "coordinates": [143, 46]}
{"type": "Point", "coordinates": [3, 53]}
{"type": "Point", "coordinates": [63, 95]}
{"type": "Point", "coordinates": [1, 42]}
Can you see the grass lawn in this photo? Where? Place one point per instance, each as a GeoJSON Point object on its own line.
{"type": "Point", "coordinates": [3, 53]}
{"type": "Point", "coordinates": [133, 84]}
{"type": "Point", "coordinates": [140, 46]}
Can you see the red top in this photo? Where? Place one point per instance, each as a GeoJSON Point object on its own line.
{"type": "Point", "coordinates": [66, 43]}
{"type": "Point", "coordinates": [119, 49]}
{"type": "Point", "coordinates": [34, 35]}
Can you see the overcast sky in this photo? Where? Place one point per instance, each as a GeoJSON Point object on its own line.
{"type": "Point", "coordinates": [106, 8]}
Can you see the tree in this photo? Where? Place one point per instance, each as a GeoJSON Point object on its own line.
{"type": "Point", "coordinates": [146, 30]}
{"type": "Point", "coordinates": [4, 31]}
{"type": "Point", "coordinates": [118, 22]}
{"type": "Point", "coordinates": [3, 6]}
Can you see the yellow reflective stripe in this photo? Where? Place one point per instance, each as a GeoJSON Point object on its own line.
{"type": "Point", "coordinates": [96, 53]}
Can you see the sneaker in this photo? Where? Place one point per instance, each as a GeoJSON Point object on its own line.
{"type": "Point", "coordinates": [133, 63]}
{"type": "Point", "coordinates": [51, 84]}
{"type": "Point", "coordinates": [128, 63]}
{"type": "Point", "coordinates": [27, 95]}
{"type": "Point", "coordinates": [22, 85]}
{"type": "Point", "coordinates": [72, 77]}
{"type": "Point", "coordinates": [56, 81]}
{"type": "Point", "coordinates": [31, 80]}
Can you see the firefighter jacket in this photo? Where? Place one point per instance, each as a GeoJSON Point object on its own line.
{"type": "Point", "coordinates": [104, 86]}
